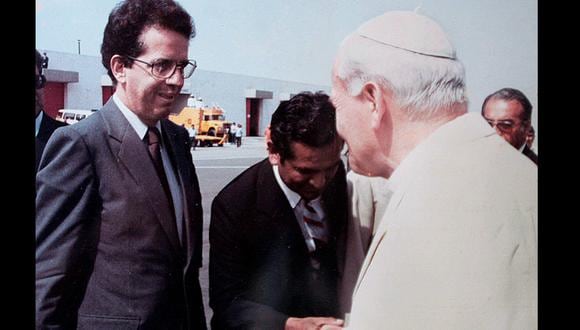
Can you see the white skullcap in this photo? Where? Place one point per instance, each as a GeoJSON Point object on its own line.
{"type": "Point", "coordinates": [409, 31]}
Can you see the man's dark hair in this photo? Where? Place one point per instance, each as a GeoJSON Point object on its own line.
{"type": "Point", "coordinates": [128, 20]}
{"type": "Point", "coordinates": [308, 118]}
{"type": "Point", "coordinates": [39, 61]}
{"type": "Point", "coordinates": [509, 94]}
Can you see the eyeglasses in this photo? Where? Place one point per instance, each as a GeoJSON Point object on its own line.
{"type": "Point", "coordinates": [164, 68]}
{"type": "Point", "coordinates": [505, 126]}
{"type": "Point", "coordinates": [40, 81]}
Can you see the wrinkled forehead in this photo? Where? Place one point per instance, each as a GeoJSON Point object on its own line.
{"type": "Point", "coordinates": [500, 109]}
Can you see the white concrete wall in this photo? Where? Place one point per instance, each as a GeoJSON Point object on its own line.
{"type": "Point", "coordinates": [224, 89]}
{"type": "Point", "coordinates": [86, 93]}
{"type": "Point", "coordinates": [228, 91]}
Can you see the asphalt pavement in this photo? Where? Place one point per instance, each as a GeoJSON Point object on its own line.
{"type": "Point", "coordinates": [216, 167]}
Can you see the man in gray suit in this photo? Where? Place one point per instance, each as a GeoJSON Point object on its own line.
{"type": "Point", "coordinates": [118, 206]}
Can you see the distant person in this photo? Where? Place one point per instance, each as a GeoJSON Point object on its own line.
{"type": "Point", "coordinates": [275, 229]}
{"type": "Point", "coordinates": [44, 124]}
{"type": "Point", "coordinates": [45, 63]}
{"type": "Point", "coordinates": [233, 129]}
{"type": "Point", "coordinates": [239, 133]}
{"type": "Point", "coordinates": [456, 247]}
{"type": "Point", "coordinates": [226, 135]}
{"type": "Point", "coordinates": [192, 132]}
{"type": "Point", "coordinates": [509, 111]}
{"type": "Point", "coordinates": [118, 205]}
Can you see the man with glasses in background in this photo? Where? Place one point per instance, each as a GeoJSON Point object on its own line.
{"type": "Point", "coordinates": [118, 205]}
{"type": "Point", "coordinates": [44, 124]}
{"type": "Point", "coordinates": [509, 112]}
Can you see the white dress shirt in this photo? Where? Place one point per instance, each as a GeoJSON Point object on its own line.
{"type": "Point", "coordinates": [294, 200]}
{"type": "Point", "coordinates": [141, 129]}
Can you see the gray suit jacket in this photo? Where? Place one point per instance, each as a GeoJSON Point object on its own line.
{"type": "Point", "coordinates": [47, 127]}
{"type": "Point", "coordinates": [107, 253]}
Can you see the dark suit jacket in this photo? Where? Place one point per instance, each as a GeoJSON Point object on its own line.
{"type": "Point", "coordinates": [260, 271]}
{"type": "Point", "coordinates": [107, 254]}
{"type": "Point", "coordinates": [530, 154]}
{"type": "Point", "coordinates": [47, 126]}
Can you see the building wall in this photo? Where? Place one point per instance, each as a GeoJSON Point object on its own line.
{"type": "Point", "coordinates": [229, 91]}
{"type": "Point", "coordinates": [86, 93]}
{"type": "Point", "coordinates": [224, 89]}
{"type": "Point", "coordinates": [53, 98]}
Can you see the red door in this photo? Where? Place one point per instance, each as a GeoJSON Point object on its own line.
{"type": "Point", "coordinates": [107, 92]}
{"type": "Point", "coordinates": [53, 98]}
{"type": "Point", "coordinates": [252, 117]}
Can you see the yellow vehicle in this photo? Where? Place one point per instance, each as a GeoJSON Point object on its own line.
{"type": "Point", "coordinates": [209, 122]}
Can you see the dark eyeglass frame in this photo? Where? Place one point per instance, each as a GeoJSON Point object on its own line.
{"type": "Point", "coordinates": [175, 64]}
{"type": "Point", "coordinates": [40, 81]}
{"type": "Point", "coordinates": [504, 125]}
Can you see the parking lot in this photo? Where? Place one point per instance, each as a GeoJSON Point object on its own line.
{"type": "Point", "coordinates": [216, 167]}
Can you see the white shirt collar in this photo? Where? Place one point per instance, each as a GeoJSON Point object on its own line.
{"type": "Point", "coordinates": [37, 123]}
{"type": "Point", "coordinates": [292, 197]}
{"type": "Point", "coordinates": [522, 147]}
{"type": "Point", "coordinates": [132, 118]}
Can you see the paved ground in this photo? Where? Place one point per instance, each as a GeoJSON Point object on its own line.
{"type": "Point", "coordinates": [216, 167]}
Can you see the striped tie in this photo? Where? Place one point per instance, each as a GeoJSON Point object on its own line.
{"type": "Point", "coordinates": [318, 230]}
{"type": "Point", "coordinates": [314, 222]}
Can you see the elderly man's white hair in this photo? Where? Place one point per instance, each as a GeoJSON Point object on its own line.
{"type": "Point", "coordinates": [410, 55]}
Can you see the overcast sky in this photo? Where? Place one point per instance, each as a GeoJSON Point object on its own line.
{"type": "Point", "coordinates": [296, 40]}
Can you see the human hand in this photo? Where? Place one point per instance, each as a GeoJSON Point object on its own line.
{"type": "Point", "coordinates": [313, 323]}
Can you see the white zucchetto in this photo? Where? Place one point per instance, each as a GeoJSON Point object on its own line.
{"type": "Point", "coordinates": [409, 31]}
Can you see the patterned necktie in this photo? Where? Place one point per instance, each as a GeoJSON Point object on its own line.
{"type": "Point", "coordinates": [315, 223]}
{"type": "Point", "coordinates": [318, 230]}
{"type": "Point", "coordinates": [153, 144]}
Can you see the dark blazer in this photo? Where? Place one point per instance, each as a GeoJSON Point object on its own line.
{"type": "Point", "coordinates": [530, 154]}
{"type": "Point", "coordinates": [47, 126]}
{"type": "Point", "coordinates": [260, 271]}
{"type": "Point", "coordinates": [107, 253]}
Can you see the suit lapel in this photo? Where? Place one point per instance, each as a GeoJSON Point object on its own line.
{"type": "Point", "coordinates": [181, 167]}
{"type": "Point", "coordinates": [133, 154]}
{"type": "Point", "coordinates": [45, 129]}
{"type": "Point", "coordinates": [272, 202]}
{"type": "Point", "coordinates": [335, 202]}
{"type": "Point", "coordinates": [47, 126]}
{"type": "Point", "coordinates": [270, 196]}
